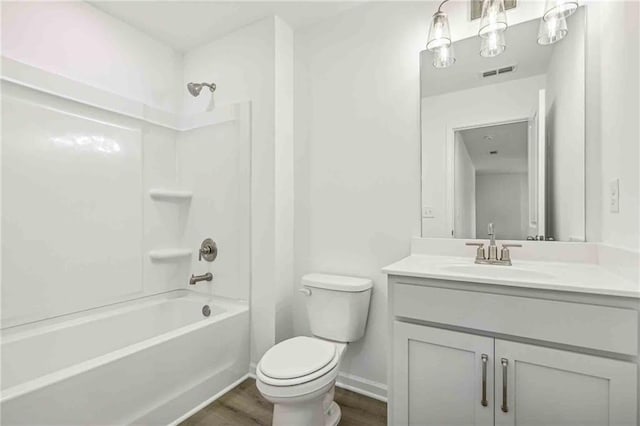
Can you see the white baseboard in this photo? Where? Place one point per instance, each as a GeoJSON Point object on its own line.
{"type": "Point", "coordinates": [352, 383]}
{"type": "Point", "coordinates": [362, 386]}
{"type": "Point", "coordinates": [209, 401]}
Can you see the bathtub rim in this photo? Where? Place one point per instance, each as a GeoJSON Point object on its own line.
{"type": "Point", "coordinates": [106, 310]}
{"type": "Point", "coordinates": [231, 307]}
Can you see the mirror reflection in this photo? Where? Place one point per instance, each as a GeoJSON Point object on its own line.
{"type": "Point", "coordinates": [503, 138]}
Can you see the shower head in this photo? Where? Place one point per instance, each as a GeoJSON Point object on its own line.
{"type": "Point", "coordinates": [195, 88]}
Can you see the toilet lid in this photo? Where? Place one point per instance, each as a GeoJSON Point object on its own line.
{"type": "Point", "coordinates": [297, 357]}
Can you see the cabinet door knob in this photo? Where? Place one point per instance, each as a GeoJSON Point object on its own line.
{"type": "Point", "coordinates": [505, 364]}
{"type": "Point", "coordinates": [485, 359]}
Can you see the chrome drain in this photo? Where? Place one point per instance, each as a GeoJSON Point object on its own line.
{"type": "Point", "coordinates": [206, 310]}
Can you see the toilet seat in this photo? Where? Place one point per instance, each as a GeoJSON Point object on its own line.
{"type": "Point", "coordinates": [298, 360]}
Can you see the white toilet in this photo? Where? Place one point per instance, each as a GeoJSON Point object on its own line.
{"type": "Point", "coordinates": [298, 375]}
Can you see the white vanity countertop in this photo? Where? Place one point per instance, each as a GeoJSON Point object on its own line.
{"type": "Point", "coordinates": [559, 276]}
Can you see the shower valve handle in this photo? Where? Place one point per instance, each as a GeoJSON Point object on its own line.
{"type": "Point", "coordinates": [208, 250]}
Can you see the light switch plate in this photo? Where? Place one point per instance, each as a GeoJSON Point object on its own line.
{"type": "Point", "coordinates": [614, 196]}
{"type": "Point", "coordinates": [427, 212]}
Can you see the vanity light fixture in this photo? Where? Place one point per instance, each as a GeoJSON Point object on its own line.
{"type": "Point", "coordinates": [493, 24]}
{"type": "Point", "coordinates": [493, 19]}
{"type": "Point", "coordinates": [439, 41]}
{"type": "Point", "coordinates": [443, 57]}
{"type": "Point", "coordinates": [553, 25]}
{"type": "Point", "coordinates": [552, 30]}
{"type": "Point", "coordinates": [493, 45]}
{"type": "Point", "coordinates": [559, 8]}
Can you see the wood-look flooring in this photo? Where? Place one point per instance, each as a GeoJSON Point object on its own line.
{"type": "Point", "coordinates": [244, 406]}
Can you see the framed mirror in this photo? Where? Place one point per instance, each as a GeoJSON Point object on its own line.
{"type": "Point", "coordinates": [503, 138]}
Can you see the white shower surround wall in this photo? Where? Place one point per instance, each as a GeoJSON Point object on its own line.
{"type": "Point", "coordinates": [215, 145]}
{"type": "Point", "coordinates": [149, 361]}
{"type": "Point", "coordinates": [154, 359]}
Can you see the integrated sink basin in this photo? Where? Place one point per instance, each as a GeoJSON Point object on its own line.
{"type": "Point", "coordinates": [497, 271]}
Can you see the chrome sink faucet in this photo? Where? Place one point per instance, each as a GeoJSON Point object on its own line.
{"type": "Point", "coordinates": [492, 258]}
{"type": "Point", "coordinates": [493, 249]}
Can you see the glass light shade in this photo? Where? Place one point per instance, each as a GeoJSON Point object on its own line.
{"type": "Point", "coordinates": [493, 45]}
{"type": "Point", "coordinates": [439, 34]}
{"type": "Point", "coordinates": [552, 30]}
{"type": "Point", "coordinates": [559, 8]}
{"type": "Point", "coordinates": [443, 57]}
{"type": "Point", "coordinates": [493, 19]}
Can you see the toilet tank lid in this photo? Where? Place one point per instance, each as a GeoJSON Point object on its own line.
{"type": "Point", "coordinates": [336, 282]}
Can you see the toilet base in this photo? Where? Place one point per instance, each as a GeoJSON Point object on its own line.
{"type": "Point", "coordinates": [306, 414]}
{"type": "Point", "coordinates": [317, 409]}
{"type": "Point", "coordinates": [334, 414]}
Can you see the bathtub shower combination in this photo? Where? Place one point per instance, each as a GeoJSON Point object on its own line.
{"type": "Point", "coordinates": [142, 362]}
{"type": "Point", "coordinates": [103, 326]}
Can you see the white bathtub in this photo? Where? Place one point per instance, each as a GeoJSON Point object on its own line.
{"type": "Point", "coordinates": [148, 361]}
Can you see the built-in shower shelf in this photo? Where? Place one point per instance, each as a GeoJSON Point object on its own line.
{"type": "Point", "coordinates": [169, 254]}
{"type": "Point", "coordinates": [164, 194]}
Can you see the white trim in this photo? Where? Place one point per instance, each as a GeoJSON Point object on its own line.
{"type": "Point", "coordinates": [362, 386]}
{"type": "Point", "coordinates": [56, 85]}
{"type": "Point", "coordinates": [200, 406]}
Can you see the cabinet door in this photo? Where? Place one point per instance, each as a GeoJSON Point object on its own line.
{"type": "Point", "coordinates": [438, 377]}
{"type": "Point", "coordinates": [537, 386]}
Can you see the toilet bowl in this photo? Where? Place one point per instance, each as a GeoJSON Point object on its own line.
{"type": "Point", "coordinates": [298, 375]}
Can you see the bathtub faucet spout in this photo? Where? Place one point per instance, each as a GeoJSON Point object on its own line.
{"type": "Point", "coordinates": [197, 278]}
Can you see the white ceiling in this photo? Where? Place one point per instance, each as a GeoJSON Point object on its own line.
{"type": "Point", "coordinates": [187, 24]}
{"type": "Point", "coordinates": [522, 50]}
{"type": "Point", "coordinates": [510, 140]}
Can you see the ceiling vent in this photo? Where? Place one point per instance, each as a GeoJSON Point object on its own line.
{"type": "Point", "coordinates": [499, 71]}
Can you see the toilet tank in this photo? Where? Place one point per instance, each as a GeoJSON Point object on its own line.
{"type": "Point", "coordinates": [337, 306]}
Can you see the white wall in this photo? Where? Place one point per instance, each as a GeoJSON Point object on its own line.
{"type": "Point", "coordinates": [284, 185]}
{"type": "Point", "coordinates": [499, 201]}
{"type": "Point", "coordinates": [357, 146]}
{"type": "Point", "coordinates": [254, 63]}
{"type": "Point", "coordinates": [465, 191]}
{"type": "Point", "coordinates": [565, 122]}
{"type": "Point", "coordinates": [80, 42]}
{"type": "Point", "coordinates": [357, 149]}
{"type": "Point", "coordinates": [612, 124]}
{"type": "Point", "coordinates": [510, 101]}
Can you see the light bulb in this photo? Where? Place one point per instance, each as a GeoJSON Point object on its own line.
{"type": "Point", "coordinates": [493, 44]}
{"type": "Point", "coordinates": [552, 30]}
{"type": "Point", "coordinates": [559, 9]}
{"type": "Point", "coordinates": [443, 57]}
{"type": "Point", "coordinates": [439, 34]}
{"type": "Point", "coordinates": [493, 19]}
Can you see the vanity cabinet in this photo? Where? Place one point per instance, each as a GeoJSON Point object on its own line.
{"type": "Point", "coordinates": [539, 386]}
{"type": "Point", "coordinates": [441, 377]}
{"type": "Point", "coordinates": [444, 377]}
{"type": "Point", "coordinates": [473, 354]}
